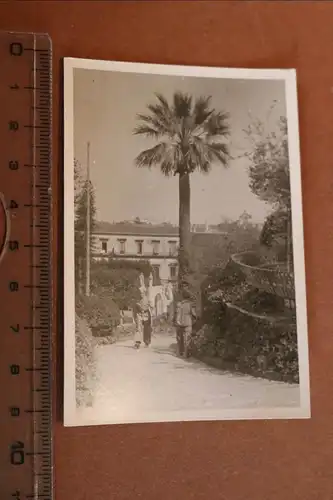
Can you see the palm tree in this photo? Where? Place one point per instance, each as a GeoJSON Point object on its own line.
{"type": "Point", "coordinates": [189, 135]}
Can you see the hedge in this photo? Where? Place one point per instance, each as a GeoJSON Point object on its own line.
{"type": "Point", "coordinates": [85, 363]}
{"type": "Point", "coordinates": [101, 314]}
{"type": "Point", "coordinates": [119, 280]}
{"type": "Point", "coordinates": [262, 342]}
{"type": "Point", "coordinates": [253, 346]}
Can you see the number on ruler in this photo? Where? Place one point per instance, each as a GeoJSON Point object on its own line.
{"type": "Point", "coordinates": [14, 411]}
{"type": "Point", "coordinates": [16, 495]}
{"type": "Point", "coordinates": [13, 245]}
{"type": "Point", "coordinates": [15, 369]}
{"type": "Point", "coordinates": [16, 49]}
{"type": "Point", "coordinates": [15, 328]}
{"type": "Point", "coordinates": [13, 125]}
{"type": "Point", "coordinates": [13, 286]}
{"type": "Point", "coordinates": [13, 165]}
{"type": "Point", "coordinates": [13, 204]}
{"type": "Point", "coordinates": [17, 453]}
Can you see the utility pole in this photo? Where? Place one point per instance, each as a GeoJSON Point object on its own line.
{"type": "Point", "coordinates": [88, 223]}
{"type": "Point", "coordinates": [289, 239]}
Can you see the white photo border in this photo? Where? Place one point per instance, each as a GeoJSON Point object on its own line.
{"type": "Point", "coordinates": [71, 414]}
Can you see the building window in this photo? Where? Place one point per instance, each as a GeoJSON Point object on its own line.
{"type": "Point", "coordinates": [104, 246]}
{"type": "Point", "coordinates": [172, 248]}
{"type": "Point", "coordinates": [122, 247]}
{"type": "Point", "coordinates": [139, 246]}
{"type": "Point", "coordinates": [156, 247]}
{"type": "Point", "coordinates": [173, 271]}
{"type": "Point", "coordinates": [156, 275]}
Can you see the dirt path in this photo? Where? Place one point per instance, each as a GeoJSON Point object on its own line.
{"type": "Point", "coordinates": [154, 382]}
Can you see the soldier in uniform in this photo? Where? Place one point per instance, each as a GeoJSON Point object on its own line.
{"type": "Point", "coordinates": [185, 316]}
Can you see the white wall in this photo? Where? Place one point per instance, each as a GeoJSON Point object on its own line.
{"type": "Point", "coordinates": [131, 245]}
{"type": "Point", "coordinates": [163, 260]}
{"type": "Point", "coordinates": [164, 265]}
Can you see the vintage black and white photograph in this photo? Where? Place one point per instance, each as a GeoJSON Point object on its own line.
{"type": "Point", "coordinates": [184, 296]}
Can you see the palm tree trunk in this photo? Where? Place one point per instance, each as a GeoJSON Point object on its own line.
{"type": "Point", "coordinates": [184, 230]}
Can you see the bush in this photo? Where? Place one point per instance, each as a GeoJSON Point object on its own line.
{"type": "Point", "coordinates": [85, 363]}
{"type": "Point", "coordinates": [101, 314]}
{"type": "Point", "coordinates": [252, 346]}
{"type": "Point", "coordinates": [212, 249]}
{"type": "Point", "coordinates": [261, 302]}
{"type": "Point", "coordinates": [222, 277]}
{"type": "Point", "coordinates": [263, 345]}
{"type": "Point", "coordinates": [119, 279]}
{"type": "Point", "coordinates": [276, 234]}
{"type": "Point", "coordinates": [140, 266]}
{"type": "Point", "coordinates": [223, 284]}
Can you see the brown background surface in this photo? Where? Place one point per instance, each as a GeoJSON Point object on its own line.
{"type": "Point", "coordinates": [258, 460]}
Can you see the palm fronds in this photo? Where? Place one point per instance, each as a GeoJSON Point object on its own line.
{"type": "Point", "coordinates": [162, 154]}
{"type": "Point", "coordinates": [192, 135]}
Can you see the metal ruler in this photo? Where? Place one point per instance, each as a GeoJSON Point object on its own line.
{"type": "Point", "coordinates": [25, 267]}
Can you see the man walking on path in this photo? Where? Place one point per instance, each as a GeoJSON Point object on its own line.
{"type": "Point", "coordinates": [185, 315]}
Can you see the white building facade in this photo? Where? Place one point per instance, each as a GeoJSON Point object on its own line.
{"type": "Point", "coordinates": [157, 244]}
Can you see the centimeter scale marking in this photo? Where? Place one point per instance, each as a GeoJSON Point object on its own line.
{"type": "Point", "coordinates": [25, 285]}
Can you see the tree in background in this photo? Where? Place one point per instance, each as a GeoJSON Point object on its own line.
{"type": "Point", "coordinates": [269, 168]}
{"type": "Point", "coordinates": [276, 234]}
{"type": "Point", "coordinates": [211, 252]}
{"type": "Point", "coordinates": [119, 279]}
{"type": "Point", "coordinates": [245, 219]}
{"type": "Point", "coordinates": [211, 249]}
{"type": "Point", "coordinates": [78, 181]}
{"type": "Point", "coordinates": [189, 136]}
{"type": "Point", "coordinates": [270, 181]}
{"type": "Point", "coordinates": [82, 189]}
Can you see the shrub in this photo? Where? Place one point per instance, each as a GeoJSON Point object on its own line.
{"type": "Point", "coordinates": [223, 284]}
{"type": "Point", "coordinates": [85, 363]}
{"type": "Point", "coordinates": [222, 277]}
{"type": "Point", "coordinates": [119, 279]}
{"type": "Point", "coordinates": [252, 346]}
{"type": "Point", "coordinates": [101, 313]}
{"type": "Point", "coordinates": [212, 249]}
{"type": "Point", "coordinates": [276, 234]}
{"type": "Point", "coordinates": [246, 342]}
{"type": "Point", "coordinates": [261, 302]}
{"type": "Point", "coordinates": [263, 346]}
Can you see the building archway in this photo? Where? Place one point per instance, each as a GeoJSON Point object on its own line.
{"type": "Point", "coordinates": [158, 305]}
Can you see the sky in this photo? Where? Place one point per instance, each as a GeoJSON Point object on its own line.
{"type": "Point", "coordinates": [105, 107]}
